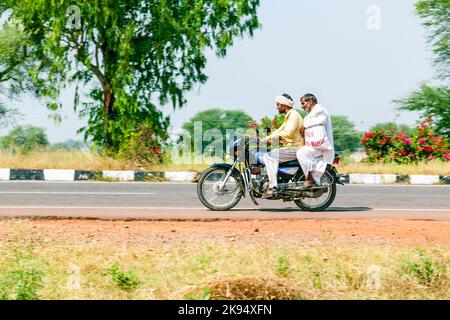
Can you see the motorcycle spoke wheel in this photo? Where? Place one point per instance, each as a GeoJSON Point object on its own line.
{"type": "Point", "coordinates": [323, 201]}
{"type": "Point", "coordinates": [213, 196]}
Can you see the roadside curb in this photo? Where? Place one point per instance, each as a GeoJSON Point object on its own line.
{"type": "Point", "coordinates": [121, 175]}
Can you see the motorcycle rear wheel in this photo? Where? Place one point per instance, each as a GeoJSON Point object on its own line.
{"type": "Point", "coordinates": [316, 205]}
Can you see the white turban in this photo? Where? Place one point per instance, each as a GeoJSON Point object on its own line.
{"type": "Point", "coordinates": [284, 101]}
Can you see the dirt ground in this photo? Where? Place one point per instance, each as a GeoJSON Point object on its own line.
{"type": "Point", "coordinates": [402, 232]}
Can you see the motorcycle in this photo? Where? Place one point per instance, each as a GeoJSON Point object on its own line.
{"type": "Point", "coordinates": [221, 186]}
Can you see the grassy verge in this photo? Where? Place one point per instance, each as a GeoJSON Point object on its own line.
{"type": "Point", "coordinates": [62, 160]}
{"type": "Point", "coordinates": [203, 269]}
{"type": "Point", "coordinates": [430, 168]}
{"type": "Point", "coordinates": [93, 161]}
{"type": "Point", "coordinates": [84, 160]}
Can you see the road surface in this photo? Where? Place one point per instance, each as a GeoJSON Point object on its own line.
{"type": "Point", "coordinates": [178, 201]}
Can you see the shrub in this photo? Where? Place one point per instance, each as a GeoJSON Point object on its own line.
{"type": "Point", "coordinates": [425, 270]}
{"type": "Point", "coordinates": [143, 146]}
{"type": "Point", "coordinates": [126, 280]}
{"type": "Point", "coordinates": [22, 281]}
{"type": "Point", "coordinates": [25, 139]}
{"type": "Point", "coordinates": [21, 284]}
{"type": "Point", "coordinates": [394, 146]}
{"type": "Point", "coordinates": [283, 265]}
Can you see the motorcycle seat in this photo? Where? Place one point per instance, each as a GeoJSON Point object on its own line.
{"type": "Point", "coordinates": [293, 163]}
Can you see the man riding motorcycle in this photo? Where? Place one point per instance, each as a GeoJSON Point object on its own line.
{"type": "Point", "coordinates": [289, 135]}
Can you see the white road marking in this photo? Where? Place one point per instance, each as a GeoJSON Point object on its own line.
{"type": "Point", "coordinates": [203, 208]}
{"type": "Point", "coordinates": [415, 210]}
{"type": "Point", "coordinates": [79, 182]}
{"type": "Point", "coordinates": [77, 192]}
{"type": "Point", "coordinates": [108, 208]}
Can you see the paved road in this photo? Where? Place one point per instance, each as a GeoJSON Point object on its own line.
{"type": "Point", "coordinates": [173, 201]}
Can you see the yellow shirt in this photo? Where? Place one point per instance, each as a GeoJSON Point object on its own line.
{"type": "Point", "coordinates": [289, 132]}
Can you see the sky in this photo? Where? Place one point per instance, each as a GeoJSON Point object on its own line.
{"type": "Point", "coordinates": [353, 62]}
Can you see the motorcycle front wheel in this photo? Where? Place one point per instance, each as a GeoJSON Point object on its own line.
{"type": "Point", "coordinates": [210, 194]}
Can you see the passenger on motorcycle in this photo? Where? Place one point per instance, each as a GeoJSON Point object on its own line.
{"type": "Point", "coordinates": [318, 151]}
{"type": "Point", "coordinates": [289, 135]}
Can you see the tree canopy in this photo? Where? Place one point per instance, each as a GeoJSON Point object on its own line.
{"type": "Point", "coordinates": [436, 18]}
{"type": "Point", "coordinates": [15, 59]}
{"type": "Point", "coordinates": [14, 67]}
{"type": "Point", "coordinates": [25, 139]}
{"type": "Point", "coordinates": [431, 102]}
{"type": "Point", "coordinates": [434, 101]}
{"type": "Point", "coordinates": [221, 120]}
{"type": "Point", "coordinates": [388, 126]}
{"type": "Point", "coordinates": [346, 138]}
{"type": "Point", "coordinates": [132, 54]}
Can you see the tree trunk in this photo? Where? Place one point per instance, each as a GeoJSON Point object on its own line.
{"type": "Point", "coordinates": [109, 58]}
{"type": "Point", "coordinates": [108, 105]}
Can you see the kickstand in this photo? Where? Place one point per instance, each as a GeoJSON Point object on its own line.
{"type": "Point", "coordinates": [253, 199]}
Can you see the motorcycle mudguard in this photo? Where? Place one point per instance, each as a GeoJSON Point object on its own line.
{"type": "Point", "coordinates": [334, 174]}
{"type": "Point", "coordinates": [227, 167]}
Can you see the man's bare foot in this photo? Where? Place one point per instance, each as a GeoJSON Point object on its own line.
{"type": "Point", "coordinates": [270, 193]}
{"type": "Point", "coordinates": [308, 184]}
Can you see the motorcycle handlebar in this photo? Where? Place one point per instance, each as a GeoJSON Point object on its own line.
{"type": "Point", "coordinates": [252, 140]}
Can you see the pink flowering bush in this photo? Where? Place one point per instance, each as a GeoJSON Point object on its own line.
{"type": "Point", "coordinates": [144, 147]}
{"type": "Point", "coordinates": [394, 146]}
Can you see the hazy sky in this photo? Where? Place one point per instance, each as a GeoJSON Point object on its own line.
{"type": "Point", "coordinates": [321, 46]}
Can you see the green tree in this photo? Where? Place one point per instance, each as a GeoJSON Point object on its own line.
{"type": "Point", "coordinates": [11, 52]}
{"type": "Point", "coordinates": [10, 59]}
{"type": "Point", "coordinates": [221, 120]}
{"type": "Point", "coordinates": [6, 115]}
{"type": "Point", "coordinates": [69, 144]}
{"type": "Point", "coordinates": [25, 139]}
{"type": "Point", "coordinates": [346, 138]}
{"type": "Point", "coordinates": [434, 101]}
{"type": "Point", "coordinates": [388, 126]}
{"type": "Point", "coordinates": [431, 102]}
{"type": "Point", "coordinates": [130, 52]}
{"type": "Point", "coordinates": [16, 61]}
{"type": "Point", "coordinates": [15, 64]}
{"type": "Point", "coordinates": [435, 17]}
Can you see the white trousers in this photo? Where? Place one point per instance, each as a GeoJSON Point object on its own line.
{"type": "Point", "coordinates": [273, 158]}
{"type": "Point", "coordinates": [311, 160]}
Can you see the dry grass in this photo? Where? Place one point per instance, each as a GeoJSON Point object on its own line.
{"type": "Point", "coordinates": [183, 167]}
{"type": "Point", "coordinates": [92, 161]}
{"type": "Point", "coordinates": [243, 288]}
{"type": "Point", "coordinates": [60, 160]}
{"type": "Point", "coordinates": [84, 160]}
{"type": "Point", "coordinates": [430, 168]}
{"type": "Point", "coordinates": [220, 270]}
